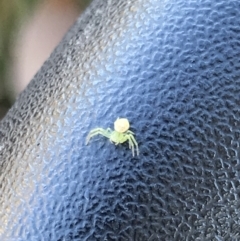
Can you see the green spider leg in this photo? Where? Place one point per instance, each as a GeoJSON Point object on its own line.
{"type": "Point", "coordinates": [132, 142]}
{"type": "Point", "coordinates": [129, 132]}
{"type": "Point", "coordinates": [131, 145]}
{"type": "Point", "coordinates": [98, 131]}
{"type": "Point", "coordinates": [136, 144]}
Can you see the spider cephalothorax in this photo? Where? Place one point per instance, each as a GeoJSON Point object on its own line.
{"type": "Point", "coordinates": [120, 134]}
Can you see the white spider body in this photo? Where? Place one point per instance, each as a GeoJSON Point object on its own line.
{"type": "Point", "coordinates": [121, 125]}
{"type": "Point", "coordinates": [120, 135]}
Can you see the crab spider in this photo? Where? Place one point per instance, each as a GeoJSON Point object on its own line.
{"type": "Point", "coordinates": [120, 134]}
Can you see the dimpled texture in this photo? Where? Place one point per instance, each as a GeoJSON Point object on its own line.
{"type": "Point", "coordinates": [172, 68]}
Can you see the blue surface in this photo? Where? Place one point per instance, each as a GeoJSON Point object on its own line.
{"type": "Point", "coordinates": [172, 68]}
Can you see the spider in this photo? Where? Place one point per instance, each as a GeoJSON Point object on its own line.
{"type": "Point", "coordinates": [120, 134]}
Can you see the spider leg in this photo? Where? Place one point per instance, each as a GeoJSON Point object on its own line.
{"type": "Point", "coordinates": [130, 132]}
{"type": "Point", "coordinates": [134, 142]}
{"type": "Point", "coordinates": [129, 141]}
{"type": "Point", "coordinates": [98, 131]}
{"type": "Point", "coordinates": [109, 130]}
{"type": "Point", "coordinates": [131, 145]}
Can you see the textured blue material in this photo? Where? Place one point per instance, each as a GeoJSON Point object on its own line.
{"type": "Point", "coordinates": [172, 67]}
